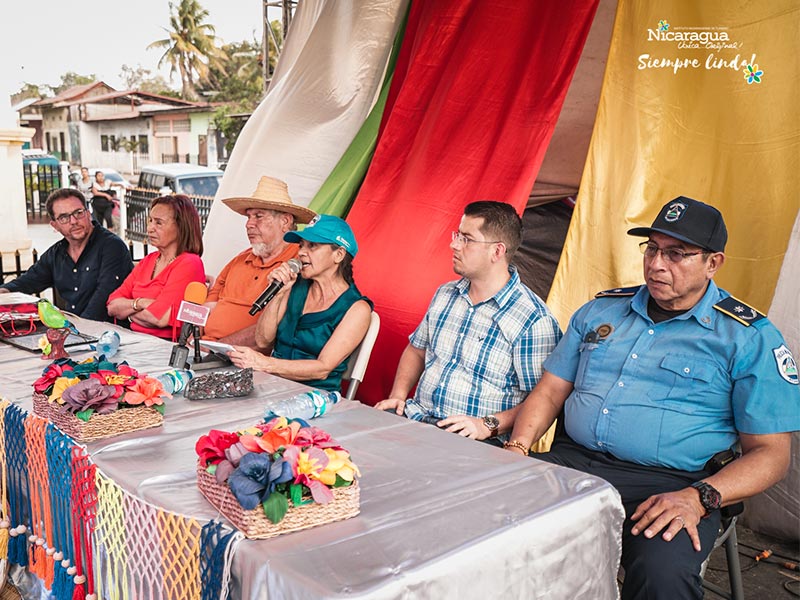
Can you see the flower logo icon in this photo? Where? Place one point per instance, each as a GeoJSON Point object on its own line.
{"type": "Point", "coordinates": [752, 74]}
{"type": "Point", "coordinates": [663, 25]}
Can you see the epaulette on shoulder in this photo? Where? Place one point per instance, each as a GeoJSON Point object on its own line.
{"type": "Point", "coordinates": [628, 291]}
{"type": "Point", "coordinates": [736, 309]}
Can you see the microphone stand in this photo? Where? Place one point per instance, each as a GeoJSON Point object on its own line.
{"type": "Point", "coordinates": [196, 335]}
{"type": "Point", "coordinates": [212, 360]}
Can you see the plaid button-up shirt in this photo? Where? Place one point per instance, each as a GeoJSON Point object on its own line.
{"type": "Point", "coordinates": [483, 358]}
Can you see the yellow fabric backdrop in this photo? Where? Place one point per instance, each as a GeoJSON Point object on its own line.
{"type": "Point", "coordinates": [701, 132]}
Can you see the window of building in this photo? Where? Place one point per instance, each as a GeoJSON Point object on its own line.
{"type": "Point", "coordinates": [104, 143]}
{"type": "Point", "coordinates": [182, 125]}
{"type": "Point", "coordinates": [143, 145]}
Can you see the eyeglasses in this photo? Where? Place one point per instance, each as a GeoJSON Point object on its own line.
{"type": "Point", "coordinates": [462, 240]}
{"type": "Point", "coordinates": [75, 214]}
{"type": "Point", "coordinates": [671, 254]}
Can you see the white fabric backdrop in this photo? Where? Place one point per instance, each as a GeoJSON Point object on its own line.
{"type": "Point", "coordinates": [777, 511]}
{"type": "Point", "coordinates": [324, 86]}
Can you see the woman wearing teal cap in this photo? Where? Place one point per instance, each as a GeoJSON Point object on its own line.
{"type": "Point", "coordinates": [312, 325]}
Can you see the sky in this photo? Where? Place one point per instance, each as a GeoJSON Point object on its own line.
{"type": "Point", "coordinates": [99, 36]}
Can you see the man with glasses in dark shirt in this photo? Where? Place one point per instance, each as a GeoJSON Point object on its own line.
{"type": "Point", "coordinates": [83, 268]}
{"type": "Point", "coordinates": [660, 385]}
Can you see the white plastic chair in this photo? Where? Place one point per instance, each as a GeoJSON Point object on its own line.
{"type": "Point", "coordinates": [359, 359]}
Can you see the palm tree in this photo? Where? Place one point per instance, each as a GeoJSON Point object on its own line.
{"type": "Point", "coordinates": [190, 47]}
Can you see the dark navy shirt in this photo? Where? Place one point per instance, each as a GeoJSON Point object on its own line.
{"type": "Point", "coordinates": [83, 286]}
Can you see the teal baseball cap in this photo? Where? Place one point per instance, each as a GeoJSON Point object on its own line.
{"type": "Point", "coordinates": [326, 229]}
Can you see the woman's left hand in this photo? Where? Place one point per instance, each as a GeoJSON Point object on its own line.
{"type": "Point", "coordinates": [244, 358]}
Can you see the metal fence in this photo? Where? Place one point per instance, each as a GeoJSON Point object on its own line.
{"type": "Point", "coordinates": [40, 180]}
{"type": "Point", "coordinates": [137, 205]}
{"type": "Point", "coordinates": [17, 270]}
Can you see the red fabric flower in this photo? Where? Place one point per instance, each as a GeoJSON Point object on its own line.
{"type": "Point", "coordinates": [211, 448]}
{"type": "Point", "coordinates": [48, 378]}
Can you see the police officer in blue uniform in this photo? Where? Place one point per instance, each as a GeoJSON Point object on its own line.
{"type": "Point", "coordinates": [656, 380]}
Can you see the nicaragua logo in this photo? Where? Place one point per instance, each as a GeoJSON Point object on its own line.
{"type": "Point", "coordinates": [787, 367]}
{"type": "Point", "coordinates": [675, 212]}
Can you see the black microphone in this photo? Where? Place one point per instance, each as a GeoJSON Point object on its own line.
{"type": "Point", "coordinates": [274, 287]}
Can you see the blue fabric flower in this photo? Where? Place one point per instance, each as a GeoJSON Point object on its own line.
{"type": "Point", "coordinates": [256, 477]}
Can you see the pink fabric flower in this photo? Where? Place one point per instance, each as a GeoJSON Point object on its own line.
{"type": "Point", "coordinates": [90, 394]}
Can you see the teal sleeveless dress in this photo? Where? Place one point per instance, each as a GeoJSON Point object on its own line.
{"type": "Point", "coordinates": [302, 337]}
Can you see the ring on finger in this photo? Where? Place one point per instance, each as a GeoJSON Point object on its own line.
{"type": "Point", "coordinates": [680, 518]}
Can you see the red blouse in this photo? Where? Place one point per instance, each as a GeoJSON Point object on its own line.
{"type": "Point", "coordinates": [167, 288]}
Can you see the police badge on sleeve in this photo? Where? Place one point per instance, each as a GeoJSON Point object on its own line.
{"type": "Point", "coordinates": [787, 367]}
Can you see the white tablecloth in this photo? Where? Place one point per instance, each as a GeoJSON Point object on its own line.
{"type": "Point", "coordinates": [441, 516]}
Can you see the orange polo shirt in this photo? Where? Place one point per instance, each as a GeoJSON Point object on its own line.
{"type": "Point", "coordinates": [237, 287]}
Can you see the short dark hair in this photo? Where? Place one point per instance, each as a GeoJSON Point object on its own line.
{"type": "Point", "coordinates": [190, 233]}
{"type": "Point", "coordinates": [62, 194]}
{"type": "Point", "coordinates": [500, 222]}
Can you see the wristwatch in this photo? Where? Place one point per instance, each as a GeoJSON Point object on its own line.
{"type": "Point", "coordinates": [492, 423]}
{"type": "Point", "coordinates": [710, 498]}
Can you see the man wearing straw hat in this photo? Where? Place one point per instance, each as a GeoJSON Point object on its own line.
{"type": "Point", "coordinates": [270, 213]}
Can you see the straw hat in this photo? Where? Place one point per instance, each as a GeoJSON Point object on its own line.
{"type": "Point", "coordinates": [271, 194]}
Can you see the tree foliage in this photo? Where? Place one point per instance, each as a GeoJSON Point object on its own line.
{"type": "Point", "coordinates": [29, 90]}
{"type": "Point", "coordinates": [71, 79]}
{"type": "Point", "coordinates": [229, 125]}
{"type": "Point", "coordinates": [190, 47]}
{"type": "Point", "coordinates": [242, 81]}
{"type": "Point", "coordinates": [143, 80]}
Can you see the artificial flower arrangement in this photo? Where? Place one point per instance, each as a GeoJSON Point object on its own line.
{"type": "Point", "coordinates": [259, 477]}
{"type": "Point", "coordinates": [96, 398]}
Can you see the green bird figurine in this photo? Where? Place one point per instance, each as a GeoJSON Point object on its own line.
{"type": "Point", "coordinates": [52, 317]}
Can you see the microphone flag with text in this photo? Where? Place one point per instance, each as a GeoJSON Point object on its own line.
{"type": "Point", "coordinates": [193, 314]}
{"type": "Point", "coordinates": [274, 287]}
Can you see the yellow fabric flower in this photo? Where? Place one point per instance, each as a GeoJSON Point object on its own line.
{"type": "Point", "coordinates": [59, 386]}
{"type": "Point", "coordinates": [116, 379]}
{"type": "Point", "coordinates": [338, 464]}
{"type": "Point", "coordinates": [308, 465]}
{"type": "Point", "coordinates": [44, 345]}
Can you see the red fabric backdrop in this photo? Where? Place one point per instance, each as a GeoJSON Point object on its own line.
{"type": "Point", "coordinates": [475, 97]}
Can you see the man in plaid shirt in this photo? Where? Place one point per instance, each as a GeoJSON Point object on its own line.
{"type": "Point", "coordinates": [480, 347]}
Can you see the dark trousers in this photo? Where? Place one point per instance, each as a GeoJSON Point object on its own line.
{"type": "Point", "coordinates": [654, 568]}
{"type": "Point", "coordinates": [102, 212]}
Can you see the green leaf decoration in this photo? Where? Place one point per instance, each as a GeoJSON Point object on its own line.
{"type": "Point", "coordinates": [341, 482]}
{"type": "Point", "coordinates": [275, 507]}
{"type": "Point", "coordinates": [211, 469]}
{"type": "Point", "coordinates": [296, 493]}
{"type": "Point", "coordinates": [84, 415]}
{"type": "Point", "coordinates": [159, 408]}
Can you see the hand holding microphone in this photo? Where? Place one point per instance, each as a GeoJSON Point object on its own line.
{"type": "Point", "coordinates": [282, 275]}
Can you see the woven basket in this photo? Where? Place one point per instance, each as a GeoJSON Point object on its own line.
{"type": "Point", "coordinates": [255, 525]}
{"type": "Point", "coordinates": [123, 420]}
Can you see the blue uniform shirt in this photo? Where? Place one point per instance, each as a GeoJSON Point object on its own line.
{"type": "Point", "coordinates": [675, 393]}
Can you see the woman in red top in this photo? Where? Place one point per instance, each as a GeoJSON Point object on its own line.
{"type": "Point", "coordinates": [150, 296]}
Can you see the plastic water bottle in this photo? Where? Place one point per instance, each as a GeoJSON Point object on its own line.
{"type": "Point", "coordinates": [307, 405]}
{"type": "Point", "coordinates": [175, 380]}
{"type": "Point", "coordinates": [107, 344]}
